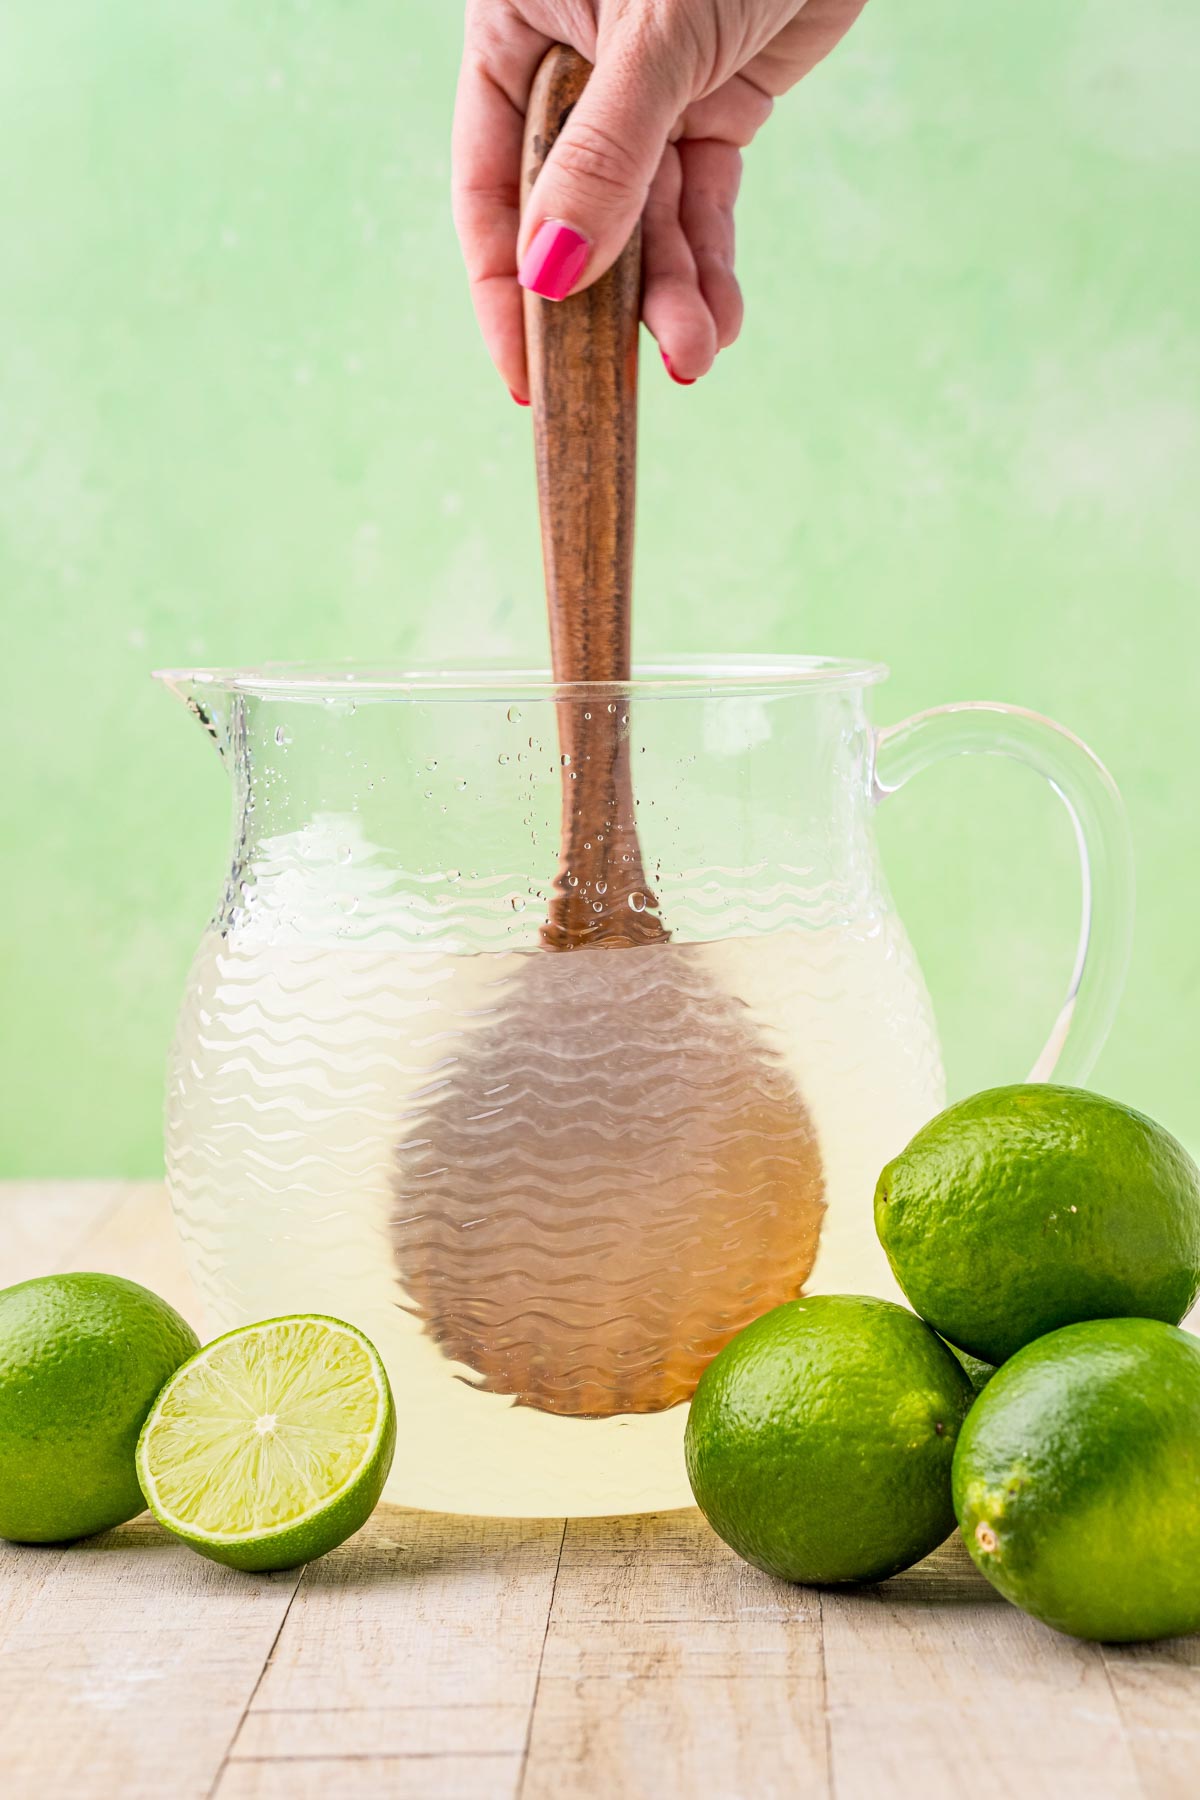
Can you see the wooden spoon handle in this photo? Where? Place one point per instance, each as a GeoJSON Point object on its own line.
{"type": "Point", "coordinates": [583, 356]}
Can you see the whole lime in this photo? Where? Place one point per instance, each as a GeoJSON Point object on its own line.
{"type": "Point", "coordinates": [978, 1373]}
{"type": "Point", "coordinates": [1077, 1480]}
{"type": "Point", "coordinates": [820, 1440]}
{"type": "Point", "coordinates": [82, 1358]}
{"type": "Point", "coordinates": [1027, 1208]}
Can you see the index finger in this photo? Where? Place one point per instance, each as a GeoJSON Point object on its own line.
{"type": "Point", "coordinates": [489, 123]}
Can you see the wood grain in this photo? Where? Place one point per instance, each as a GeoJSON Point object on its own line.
{"type": "Point", "coordinates": [130, 1666]}
{"type": "Point", "coordinates": [673, 1669]}
{"type": "Point", "coordinates": [460, 1659]}
{"type": "Point", "coordinates": [1157, 1691]}
{"type": "Point", "coordinates": [936, 1686]}
{"type": "Point", "coordinates": [582, 355]}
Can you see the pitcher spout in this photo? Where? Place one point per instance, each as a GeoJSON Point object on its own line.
{"type": "Point", "coordinates": [207, 698]}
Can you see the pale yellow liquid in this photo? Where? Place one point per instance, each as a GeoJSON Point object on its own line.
{"type": "Point", "coordinates": [299, 1069]}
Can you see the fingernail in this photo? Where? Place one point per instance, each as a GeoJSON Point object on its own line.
{"type": "Point", "coordinates": [518, 398]}
{"type": "Point", "coordinates": [554, 260]}
{"type": "Point", "coordinates": [682, 380]}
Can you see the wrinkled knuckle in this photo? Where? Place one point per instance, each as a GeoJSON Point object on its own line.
{"type": "Point", "coordinates": [597, 159]}
{"type": "Point", "coordinates": [487, 36]}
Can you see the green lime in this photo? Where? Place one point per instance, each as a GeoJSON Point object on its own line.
{"type": "Point", "coordinates": [81, 1359]}
{"type": "Point", "coordinates": [820, 1439]}
{"type": "Point", "coordinates": [1027, 1208]}
{"type": "Point", "coordinates": [1077, 1480]}
{"type": "Point", "coordinates": [978, 1372]}
{"type": "Point", "coordinates": [272, 1445]}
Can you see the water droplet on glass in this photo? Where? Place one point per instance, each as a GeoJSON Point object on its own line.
{"type": "Point", "coordinates": [637, 902]}
{"type": "Point", "coordinates": [596, 906]}
{"type": "Point", "coordinates": [429, 793]}
{"type": "Point", "coordinates": [517, 903]}
{"type": "Point", "coordinates": [612, 706]}
{"type": "Point", "coordinates": [514, 715]}
{"type": "Point", "coordinates": [345, 853]}
{"type": "Point", "coordinates": [461, 786]}
{"type": "Point", "coordinates": [281, 736]}
{"type": "Point", "coordinates": [587, 715]}
{"type": "Point", "coordinates": [572, 881]}
{"type": "Point", "coordinates": [431, 764]}
{"type": "Point", "coordinates": [566, 762]}
{"type": "Point", "coordinates": [503, 757]}
{"type": "Point", "coordinates": [602, 887]}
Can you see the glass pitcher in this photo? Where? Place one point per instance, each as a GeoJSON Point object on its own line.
{"type": "Point", "coordinates": [550, 1184]}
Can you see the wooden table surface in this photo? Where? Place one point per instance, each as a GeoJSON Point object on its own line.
{"type": "Point", "coordinates": [446, 1657]}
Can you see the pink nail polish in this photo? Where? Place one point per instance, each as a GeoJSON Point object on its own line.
{"type": "Point", "coordinates": [518, 398]}
{"type": "Point", "coordinates": [680, 380]}
{"type": "Point", "coordinates": [554, 260]}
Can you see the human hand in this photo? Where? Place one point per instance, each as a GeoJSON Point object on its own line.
{"type": "Point", "coordinates": [678, 88]}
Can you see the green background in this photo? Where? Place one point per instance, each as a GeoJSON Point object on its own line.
{"type": "Point", "coordinates": [244, 414]}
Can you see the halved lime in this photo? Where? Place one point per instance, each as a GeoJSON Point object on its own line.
{"type": "Point", "coordinates": [272, 1445]}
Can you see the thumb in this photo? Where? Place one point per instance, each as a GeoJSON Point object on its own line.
{"type": "Point", "coordinates": [589, 196]}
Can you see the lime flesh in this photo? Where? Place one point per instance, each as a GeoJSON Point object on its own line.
{"type": "Point", "coordinates": [272, 1445]}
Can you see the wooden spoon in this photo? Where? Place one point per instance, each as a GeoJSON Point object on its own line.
{"type": "Point", "coordinates": [582, 356]}
{"type": "Point", "coordinates": [617, 1173]}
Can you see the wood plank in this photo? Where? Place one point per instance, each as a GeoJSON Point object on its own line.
{"type": "Point", "coordinates": [413, 1653]}
{"type": "Point", "coordinates": [119, 1227]}
{"type": "Point", "coordinates": [42, 1223]}
{"type": "Point", "coordinates": [937, 1687]}
{"type": "Point", "coordinates": [136, 1238]}
{"type": "Point", "coordinates": [671, 1668]}
{"type": "Point", "coordinates": [129, 1667]}
{"type": "Point", "coordinates": [370, 1778]}
{"type": "Point", "coordinates": [381, 1731]}
{"type": "Point", "coordinates": [1157, 1689]}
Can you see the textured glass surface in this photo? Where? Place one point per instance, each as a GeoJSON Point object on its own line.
{"type": "Point", "coordinates": [548, 1184]}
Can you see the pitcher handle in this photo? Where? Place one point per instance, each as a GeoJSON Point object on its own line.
{"type": "Point", "coordinates": [1096, 811]}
